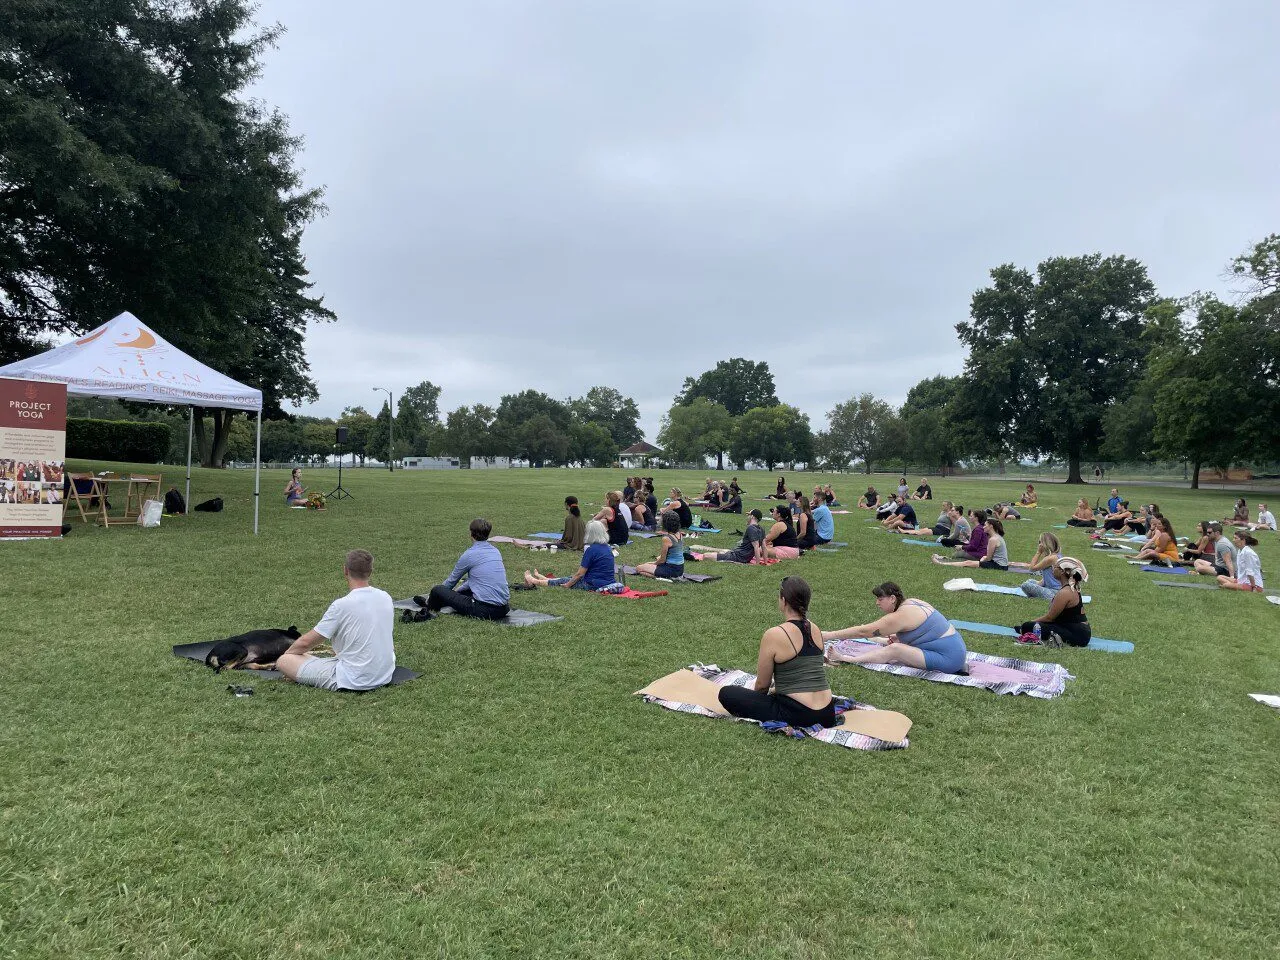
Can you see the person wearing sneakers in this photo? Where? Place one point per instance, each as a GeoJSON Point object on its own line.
{"type": "Point", "coordinates": [1064, 622]}
{"type": "Point", "coordinates": [485, 595]}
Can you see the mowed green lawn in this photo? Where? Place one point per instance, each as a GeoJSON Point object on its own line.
{"type": "Point", "coordinates": [517, 801]}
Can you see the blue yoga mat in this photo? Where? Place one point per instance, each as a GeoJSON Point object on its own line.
{"type": "Point", "coordinates": [546, 536]}
{"type": "Point", "coordinates": [1096, 643]}
{"type": "Point", "coordinates": [702, 530]}
{"type": "Point", "coordinates": [1179, 571]}
{"type": "Point", "coordinates": [1011, 591]}
{"type": "Point", "coordinates": [923, 543]}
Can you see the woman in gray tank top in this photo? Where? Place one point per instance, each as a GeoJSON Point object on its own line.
{"type": "Point", "coordinates": [791, 662]}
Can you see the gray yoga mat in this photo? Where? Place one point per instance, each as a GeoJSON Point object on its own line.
{"type": "Point", "coordinates": [516, 618]}
{"type": "Point", "coordinates": [687, 578]}
{"type": "Point", "coordinates": [1200, 585]}
{"type": "Point", "coordinates": [198, 651]}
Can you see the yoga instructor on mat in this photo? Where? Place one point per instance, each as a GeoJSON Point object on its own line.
{"type": "Point", "coordinates": [911, 632]}
{"type": "Point", "coordinates": [791, 662]}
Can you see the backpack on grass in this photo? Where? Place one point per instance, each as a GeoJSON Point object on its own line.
{"type": "Point", "coordinates": [210, 506]}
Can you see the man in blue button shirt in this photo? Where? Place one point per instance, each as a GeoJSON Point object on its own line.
{"type": "Point", "coordinates": [824, 525]}
{"type": "Point", "coordinates": [485, 594]}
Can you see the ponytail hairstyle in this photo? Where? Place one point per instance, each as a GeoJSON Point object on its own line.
{"type": "Point", "coordinates": [996, 525]}
{"type": "Point", "coordinates": [980, 515]}
{"type": "Point", "coordinates": [889, 589]}
{"type": "Point", "coordinates": [1248, 538]}
{"type": "Point", "coordinates": [612, 498]}
{"type": "Point", "coordinates": [1204, 528]}
{"type": "Point", "coordinates": [796, 594]}
{"type": "Point", "coordinates": [571, 503]}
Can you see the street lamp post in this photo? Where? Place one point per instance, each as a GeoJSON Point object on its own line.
{"type": "Point", "coordinates": [391, 428]}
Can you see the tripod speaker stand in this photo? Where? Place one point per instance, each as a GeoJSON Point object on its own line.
{"type": "Point", "coordinates": [340, 492]}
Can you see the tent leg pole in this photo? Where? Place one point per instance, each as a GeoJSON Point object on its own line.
{"type": "Point", "coordinates": [257, 474]}
{"type": "Point", "coordinates": [191, 423]}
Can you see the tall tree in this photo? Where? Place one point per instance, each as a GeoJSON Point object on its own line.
{"type": "Point", "coordinates": [702, 428]}
{"type": "Point", "coordinates": [736, 384]}
{"type": "Point", "coordinates": [138, 174]}
{"type": "Point", "coordinates": [516, 411]}
{"type": "Point", "coordinates": [360, 426]}
{"type": "Point", "coordinates": [608, 407]}
{"type": "Point", "coordinates": [423, 400]}
{"type": "Point", "coordinates": [927, 419]}
{"type": "Point", "coordinates": [864, 428]}
{"type": "Point", "coordinates": [1050, 355]}
{"type": "Point", "coordinates": [772, 435]}
{"type": "Point", "coordinates": [591, 444]}
{"type": "Point", "coordinates": [468, 433]}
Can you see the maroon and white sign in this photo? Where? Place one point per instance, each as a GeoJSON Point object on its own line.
{"type": "Point", "coordinates": [33, 449]}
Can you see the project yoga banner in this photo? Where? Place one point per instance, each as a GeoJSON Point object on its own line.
{"type": "Point", "coordinates": [33, 448]}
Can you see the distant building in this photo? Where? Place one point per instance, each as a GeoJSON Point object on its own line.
{"type": "Point", "coordinates": [639, 455]}
{"type": "Point", "coordinates": [431, 463]}
{"type": "Point", "coordinates": [491, 463]}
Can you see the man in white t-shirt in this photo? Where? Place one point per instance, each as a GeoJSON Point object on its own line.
{"type": "Point", "coordinates": [1266, 519]}
{"type": "Point", "coordinates": [358, 627]}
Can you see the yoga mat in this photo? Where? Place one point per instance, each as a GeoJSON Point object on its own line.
{"type": "Point", "coordinates": [1180, 571]}
{"type": "Point", "coordinates": [1000, 675]}
{"type": "Point", "coordinates": [1270, 699]}
{"type": "Point", "coordinates": [516, 618]}
{"type": "Point", "coordinates": [964, 583]}
{"type": "Point", "coordinates": [517, 542]}
{"type": "Point", "coordinates": [545, 536]}
{"type": "Point", "coordinates": [924, 543]}
{"type": "Point", "coordinates": [688, 687]}
{"type": "Point", "coordinates": [642, 536]}
{"type": "Point", "coordinates": [629, 594]}
{"type": "Point", "coordinates": [1189, 585]}
{"type": "Point", "coordinates": [1096, 643]}
{"type": "Point", "coordinates": [703, 530]}
{"type": "Point", "coordinates": [198, 651]}
{"type": "Point", "coordinates": [835, 543]}
{"type": "Point", "coordinates": [687, 578]}
{"type": "Point", "coordinates": [1063, 526]}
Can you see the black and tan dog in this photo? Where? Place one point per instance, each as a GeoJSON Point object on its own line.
{"type": "Point", "coordinates": [255, 650]}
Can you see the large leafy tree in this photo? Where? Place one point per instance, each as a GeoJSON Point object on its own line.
{"type": "Point", "coordinates": [928, 424]}
{"type": "Point", "coordinates": [1049, 355]}
{"type": "Point", "coordinates": [690, 432]}
{"type": "Point", "coordinates": [137, 174]}
{"type": "Point", "coordinates": [468, 432]}
{"type": "Point", "coordinates": [772, 435]}
{"type": "Point", "coordinates": [423, 400]}
{"type": "Point", "coordinates": [610, 409]}
{"type": "Point", "coordinates": [738, 385]}
{"type": "Point", "coordinates": [516, 411]}
{"type": "Point", "coordinates": [591, 444]}
{"type": "Point", "coordinates": [863, 428]}
{"type": "Point", "coordinates": [360, 426]}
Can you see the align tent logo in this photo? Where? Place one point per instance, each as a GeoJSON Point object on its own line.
{"type": "Point", "coordinates": [31, 393]}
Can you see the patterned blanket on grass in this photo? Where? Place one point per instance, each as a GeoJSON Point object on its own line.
{"type": "Point", "coordinates": [997, 674]}
{"type": "Point", "coordinates": [740, 678]}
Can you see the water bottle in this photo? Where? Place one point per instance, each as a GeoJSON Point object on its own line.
{"type": "Point", "coordinates": [1035, 628]}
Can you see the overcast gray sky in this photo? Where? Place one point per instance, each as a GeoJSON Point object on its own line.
{"type": "Point", "coordinates": [556, 195]}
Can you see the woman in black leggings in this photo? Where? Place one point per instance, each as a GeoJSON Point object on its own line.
{"type": "Point", "coordinates": [791, 661]}
{"type": "Point", "coordinates": [1065, 622]}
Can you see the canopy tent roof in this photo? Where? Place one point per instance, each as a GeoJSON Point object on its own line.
{"type": "Point", "coordinates": [643, 447]}
{"type": "Point", "coordinates": [126, 359]}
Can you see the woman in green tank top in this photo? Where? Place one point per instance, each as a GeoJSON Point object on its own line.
{"type": "Point", "coordinates": [791, 662]}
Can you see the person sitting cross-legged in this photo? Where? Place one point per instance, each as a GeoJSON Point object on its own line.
{"type": "Point", "coordinates": [485, 595]}
{"type": "Point", "coordinates": [598, 568]}
{"type": "Point", "coordinates": [751, 547]}
{"type": "Point", "coordinates": [1223, 561]}
{"type": "Point", "coordinates": [791, 679]}
{"type": "Point", "coordinates": [1083, 517]}
{"type": "Point", "coordinates": [1248, 574]}
{"type": "Point", "coordinates": [358, 627]}
{"type": "Point", "coordinates": [670, 562]}
{"type": "Point", "coordinates": [910, 632]}
{"type": "Point", "coordinates": [1064, 622]}
{"type": "Point", "coordinates": [903, 517]}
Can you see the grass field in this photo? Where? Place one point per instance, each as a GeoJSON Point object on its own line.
{"type": "Point", "coordinates": [517, 801]}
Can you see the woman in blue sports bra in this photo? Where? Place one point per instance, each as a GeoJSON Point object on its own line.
{"type": "Point", "coordinates": [911, 632]}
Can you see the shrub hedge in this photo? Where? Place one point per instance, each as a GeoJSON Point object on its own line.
{"type": "Point", "coordinates": [117, 440]}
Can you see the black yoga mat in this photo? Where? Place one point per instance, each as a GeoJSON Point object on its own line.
{"type": "Point", "coordinates": [516, 618]}
{"type": "Point", "coordinates": [198, 651]}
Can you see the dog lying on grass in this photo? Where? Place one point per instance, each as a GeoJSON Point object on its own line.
{"type": "Point", "coordinates": [255, 650]}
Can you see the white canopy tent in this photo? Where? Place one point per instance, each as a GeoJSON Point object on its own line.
{"type": "Point", "coordinates": [126, 359]}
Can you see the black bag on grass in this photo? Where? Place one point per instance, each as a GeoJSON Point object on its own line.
{"type": "Point", "coordinates": [210, 506]}
{"type": "Point", "coordinates": [174, 502]}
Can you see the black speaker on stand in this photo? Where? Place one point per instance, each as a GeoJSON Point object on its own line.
{"type": "Point", "coordinates": [340, 491]}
